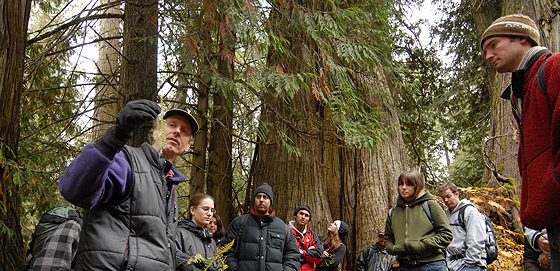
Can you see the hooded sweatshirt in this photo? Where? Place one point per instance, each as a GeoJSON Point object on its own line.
{"type": "Point", "coordinates": [412, 236]}
{"type": "Point", "coordinates": [309, 245]}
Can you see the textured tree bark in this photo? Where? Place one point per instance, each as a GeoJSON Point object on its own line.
{"type": "Point", "coordinates": [139, 64]}
{"type": "Point", "coordinates": [108, 67]}
{"type": "Point", "coordinates": [14, 19]}
{"type": "Point", "coordinates": [547, 16]}
{"type": "Point", "coordinates": [220, 172]}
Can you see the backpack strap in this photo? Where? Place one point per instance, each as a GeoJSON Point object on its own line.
{"type": "Point", "coordinates": [241, 230]}
{"type": "Point", "coordinates": [425, 207]}
{"type": "Point", "coordinates": [540, 76]}
{"type": "Point", "coordinates": [428, 211]}
{"type": "Point", "coordinates": [462, 215]}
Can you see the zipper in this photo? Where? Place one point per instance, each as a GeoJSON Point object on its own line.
{"type": "Point", "coordinates": [406, 222]}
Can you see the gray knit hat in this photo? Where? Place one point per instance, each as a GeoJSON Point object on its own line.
{"type": "Point", "coordinates": [265, 188]}
{"type": "Point", "coordinates": [514, 25]}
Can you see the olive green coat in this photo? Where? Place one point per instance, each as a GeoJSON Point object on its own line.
{"type": "Point", "coordinates": [412, 236]}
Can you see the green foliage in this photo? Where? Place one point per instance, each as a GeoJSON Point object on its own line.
{"type": "Point", "coordinates": [11, 176]}
{"type": "Point", "coordinates": [183, 26]}
{"type": "Point", "coordinates": [337, 53]}
{"type": "Point", "coordinates": [218, 257]}
{"type": "Point", "coordinates": [422, 96]}
{"type": "Point", "coordinates": [470, 97]}
{"type": "Point", "coordinates": [445, 106]}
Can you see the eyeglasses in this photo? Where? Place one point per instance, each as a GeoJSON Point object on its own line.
{"type": "Point", "coordinates": [207, 209]}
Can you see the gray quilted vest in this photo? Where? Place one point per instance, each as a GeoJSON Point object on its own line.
{"type": "Point", "coordinates": [134, 234]}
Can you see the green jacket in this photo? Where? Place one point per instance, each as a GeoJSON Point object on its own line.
{"type": "Point", "coordinates": [411, 235]}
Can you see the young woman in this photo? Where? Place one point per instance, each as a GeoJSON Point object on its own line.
{"type": "Point", "coordinates": [417, 230]}
{"type": "Point", "coordinates": [335, 250]}
{"type": "Point", "coordinates": [216, 227]}
{"type": "Point", "coordinates": [193, 237]}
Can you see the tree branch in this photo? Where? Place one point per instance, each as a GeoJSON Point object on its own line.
{"type": "Point", "coordinates": [72, 23]}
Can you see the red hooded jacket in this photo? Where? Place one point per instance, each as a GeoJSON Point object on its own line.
{"type": "Point", "coordinates": [304, 242]}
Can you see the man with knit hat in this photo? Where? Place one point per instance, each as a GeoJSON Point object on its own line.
{"type": "Point", "coordinates": [262, 240]}
{"type": "Point", "coordinates": [512, 45]}
{"type": "Point", "coordinates": [309, 244]}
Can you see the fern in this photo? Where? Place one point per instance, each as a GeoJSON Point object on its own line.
{"type": "Point", "coordinates": [218, 258]}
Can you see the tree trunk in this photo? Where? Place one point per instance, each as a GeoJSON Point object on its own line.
{"type": "Point", "coordinates": [13, 31]}
{"type": "Point", "coordinates": [547, 15]}
{"type": "Point", "coordinates": [108, 65]}
{"type": "Point", "coordinates": [304, 158]}
{"type": "Point", "coordinates": [220, 172]}
{"type": "Point", "coordinates": [204, 23]}
{"type": "Point", "coordinates": [139, 66]}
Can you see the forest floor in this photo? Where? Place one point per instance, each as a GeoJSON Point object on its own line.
{"type": "Point", "coordinates": [498, 204]}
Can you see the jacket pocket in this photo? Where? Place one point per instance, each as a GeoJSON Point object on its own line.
{"type": "Point", "coordinates": [276, 240]}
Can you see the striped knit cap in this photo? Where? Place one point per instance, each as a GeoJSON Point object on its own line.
{"type": "Point", "coordinates": [514, 25]}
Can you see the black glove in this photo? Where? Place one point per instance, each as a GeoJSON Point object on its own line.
{"type": "Point", "coordinates": [132, 115]}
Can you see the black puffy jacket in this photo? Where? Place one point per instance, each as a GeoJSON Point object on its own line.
{"type": "Point", "coordinates": [193, 240]}
{"type": "Point", "coordinates": [261, 243]}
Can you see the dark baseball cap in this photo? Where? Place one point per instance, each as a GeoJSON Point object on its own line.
{"type": "Point", "coordinates": [184, 114]}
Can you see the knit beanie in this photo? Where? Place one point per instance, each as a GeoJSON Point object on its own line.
{"type": "Point", "coordinates": [342, 227]}
{"type": "Point", "coordinates": [302, 207]}
{"type": "Point", "coordinates": [514, 25]}
{"type": "Point", "coordinates": [265, 188]}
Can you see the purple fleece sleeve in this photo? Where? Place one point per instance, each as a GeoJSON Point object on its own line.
{"type": "Point", "coordinates": [93, 179]}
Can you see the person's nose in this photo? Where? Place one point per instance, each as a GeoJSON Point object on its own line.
{"type": "Point", "coordinates": [488, 56]}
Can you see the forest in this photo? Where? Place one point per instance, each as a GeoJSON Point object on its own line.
{"type": "Point", "coordinates": [328, 101]}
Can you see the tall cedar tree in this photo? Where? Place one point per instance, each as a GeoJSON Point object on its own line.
{"type": "Point", "coordinates": [13, 31]}
{"type": "Point", "coordinates": [321, 140]}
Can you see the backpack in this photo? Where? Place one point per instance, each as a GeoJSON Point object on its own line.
{"type": "Point", "coordinates": [490, 243]}
{"type": "Point", "coordinates": [48, 223]}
